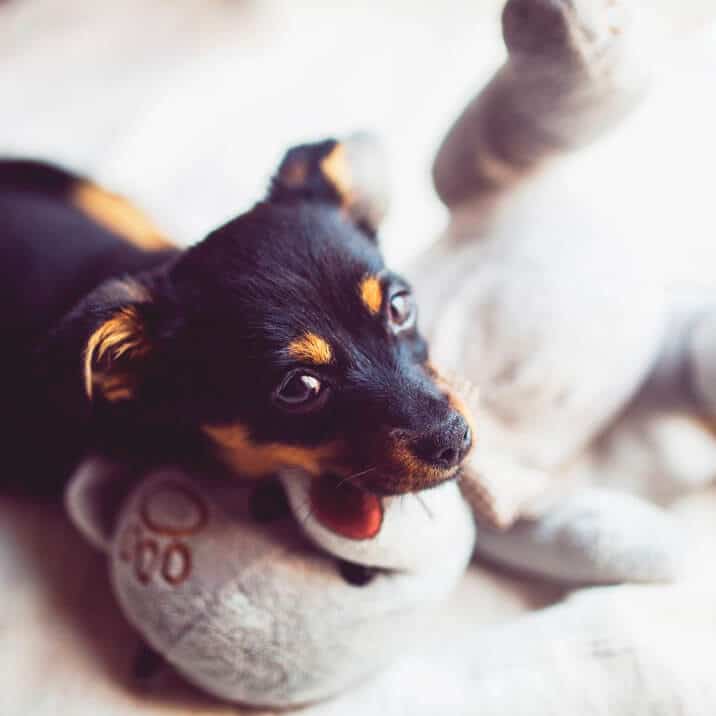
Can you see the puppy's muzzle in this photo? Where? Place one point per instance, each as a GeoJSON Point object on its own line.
{"type": "Point", "coordinates": [447, 445]}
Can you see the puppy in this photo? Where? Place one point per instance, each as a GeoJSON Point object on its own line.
{"type": "Point", "coordinates": [279, 341]}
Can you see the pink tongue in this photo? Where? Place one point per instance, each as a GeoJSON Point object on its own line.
{"type": "Point", "coordinates": [346, 510]}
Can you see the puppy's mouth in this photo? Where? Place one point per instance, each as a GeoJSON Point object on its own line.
{"type": "Point", "coordinates": [398, 462]}
{"type": "Point", "coordinates": [386, 482]}
{"type": "Point", "coordinates": [405, 463]}
{"type": "Point", "coordinates": [389, 486]}
{"type": "Point", "coordinates": [354, 511]}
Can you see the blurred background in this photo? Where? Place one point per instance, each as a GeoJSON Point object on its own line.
{"type": "Point", "coordinates": [187, 105]}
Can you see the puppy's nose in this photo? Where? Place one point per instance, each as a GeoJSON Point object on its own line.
{"type": "Point", "coordinates": [447, 446]}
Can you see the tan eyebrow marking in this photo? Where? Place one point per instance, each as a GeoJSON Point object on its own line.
{"type": "Point", "coordinates": [334, 167]}
{"type": "Point", "coordinates": [371, 293]}
{"type": "Point", "coordinates": [312, 348]}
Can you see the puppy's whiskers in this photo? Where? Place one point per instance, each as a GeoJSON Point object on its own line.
{"type": "Point", "coordinates": [428, 511]}
{"type": "Point", "coordinates": [355, 476]}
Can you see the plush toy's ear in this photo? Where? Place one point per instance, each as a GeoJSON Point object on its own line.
{"type": "Point", "coordinates": [93, 497]}
{"type": "Point", "coordinates": [349, 174]}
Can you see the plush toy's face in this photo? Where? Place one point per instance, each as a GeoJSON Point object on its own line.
{"type": "Point", "coordinates": [283, 341]}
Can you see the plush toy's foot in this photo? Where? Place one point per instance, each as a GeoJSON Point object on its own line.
{"type": "Point", "coordinates": [581, 32]}
{"type": "Point", "coordinates": [572, 74]}
{"type": "Point", "coordinates": [591, 537]}
{"type": "Point", "coordinates": [683, 377]}
{"type": "Point", "coordinates": [701, 366]}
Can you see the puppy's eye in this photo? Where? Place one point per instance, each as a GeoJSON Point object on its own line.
{"type": "Point", "coordinates": [300, 392]}
{"type": "Point", "coordinates": [402, 310]}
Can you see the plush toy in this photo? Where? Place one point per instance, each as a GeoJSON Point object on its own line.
{"type": "Point", "coordinates": [230, 591]}
{"type": "Point", "coordinates": [227, 584]}
{"type": "Point", "coordinates": [573, 287]}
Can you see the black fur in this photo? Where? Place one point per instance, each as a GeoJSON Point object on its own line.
{"type": "Point", "coordinates": [51, 256]}
{"type": "Point", "coordinates": [218, 318]}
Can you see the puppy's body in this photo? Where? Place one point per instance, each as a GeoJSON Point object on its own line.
{"type": "Point", "coordinates": [280, 341]}
{"type": "Point", "coordinates": [52, 254]}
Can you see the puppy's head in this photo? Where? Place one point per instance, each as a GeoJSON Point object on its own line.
{"type": "Point", "coordinates": [284, 341]}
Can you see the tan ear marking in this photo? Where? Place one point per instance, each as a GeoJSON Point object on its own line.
{"type": "Point", "coordinates": [116, 214]}
{"type": "Point", "coordinates": [311, 348]}
{"type": "Point", "coordinates": [371, 294]}
{"type": "Point", "coordinates": [121, 336]}
{"type": "Point", "coordinates": [334, 167]}
{"type": "Point", "coordinates": [294, 174]}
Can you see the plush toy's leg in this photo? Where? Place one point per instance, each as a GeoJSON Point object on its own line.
{"type": "Point", "coordinates": [610, 651]}
{"type": "Point", "coordinates": [683, 378]}
{"type": "Point", "coordinates": [571, 74]}
{"type": "Point", "coordinates": [591, 537]}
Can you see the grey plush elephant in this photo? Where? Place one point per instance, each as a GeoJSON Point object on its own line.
{"type": "Point", "coordinates": [539, 301]}
{"type": "Point", "coordinates": [569, 290]}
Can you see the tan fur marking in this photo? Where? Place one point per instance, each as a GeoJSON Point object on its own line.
{"type": "Point", "coordinates": [119, 336]}
{"type": "Point", "coordinates": [334, 167]}
{"type": "Point", "coordinates": [371, 293]}
{"type": "Point", "coordinates": [404, 459]}
{"type": "Point", "coordinates": [455, 399]}
{"type": "Point", "coordinates": [295, 174]}
{"type": "Point", "coordinates": [115, 213]}
{"type": "Point", "coordinates": [311, 348]}
{"type": "Point", "coordinates": [258, 460]}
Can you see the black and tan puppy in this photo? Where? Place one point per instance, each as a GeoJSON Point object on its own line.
{"type": "Point", "coordinates": [281, 340]}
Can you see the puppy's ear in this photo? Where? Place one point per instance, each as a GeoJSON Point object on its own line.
{"type": "Point", "coordinates": [119, 346]}
{"type": "Point", "coordinates": [107, 336]}
{"type": "Point", "coordinates": [349, 174]}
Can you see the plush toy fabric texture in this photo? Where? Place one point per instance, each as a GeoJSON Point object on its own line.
{"type": "Point", "coordinates": [252, 613]}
